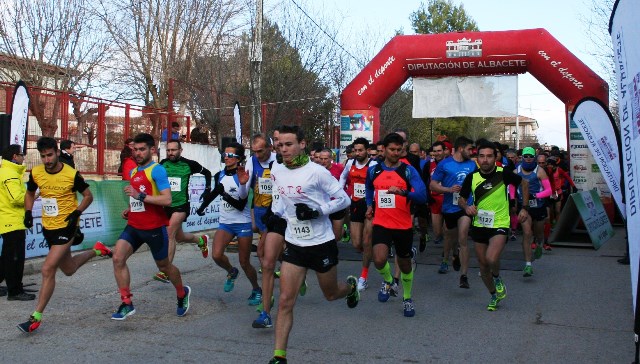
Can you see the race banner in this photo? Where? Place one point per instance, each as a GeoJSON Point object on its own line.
{"type": "Point", "coordinates": [355, 124]}
{"type": "Point", "coordinates": [625, 36]}
{"type": "Point", "coordinates": [20, 116]}
{"type": "Point", "coordinates": [599, 133]}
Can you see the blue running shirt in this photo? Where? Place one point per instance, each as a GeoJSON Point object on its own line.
{"type": "Point", "coordinates": [449, 173]}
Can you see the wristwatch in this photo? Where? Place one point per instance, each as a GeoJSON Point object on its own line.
{"type": "Point", "coordinates": [142, 196]}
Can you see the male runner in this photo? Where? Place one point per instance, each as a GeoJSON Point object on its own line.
{"type": "Point", "coordinates": [259, 170]}
{"type": "Point", "coordinates": [435, 199]}
{"type": "Point", "coordinates": [179, 171]}
{"type": "Point", "coordinates": [539, 189]}
{"type": "Point", "coordinates": [308, 194]}
{"type": "Point", "coordinates": [490, 213]}
{"type": "Point", "coordinates": [391, 186]}
{"type": "Point", "coordinates": [354, 176]}
{"type": "Point", "coordinates": [235, 220]}
{"type": "Point", "coordinates": [149, 192]}
{"type": "Point", "coordinates": [447, 179]}
{"type": "Point", "coordinates": [58, 184]}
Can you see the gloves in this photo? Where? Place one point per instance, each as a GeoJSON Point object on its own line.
{"type": "Point", "coordinates": [28, 219]}
{"type": "Point", "coordinates": [205, 194]}
{"type": "Point", "coordinates": [208, 197]}
{"type": "Point", "coordinates": [304, 212]}
{"type": "Point", "coordinates": [73, 218]}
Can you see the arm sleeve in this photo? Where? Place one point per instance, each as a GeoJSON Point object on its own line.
{"type": "Point", "coordinates": [369, 187]}
{"type": "Point", "coordinates": [79, 183]}
{"type": "Point", "coordinates": [339, 199]}
{"type": "Point", "coordinates": [159, 175]}
{"type": "Point", "coordinates": [243, 190]}
{"type": "Point", "coordinates": [31, 184]}
{"type": "Point", "coordinates": [419, 190]}
{"type": "Point", "coordinates": [198, 168]}
{"type": "Point", "coordinates": [345, 172]}
{"type": "Point", "coordinates": [546, 189]}
{"type": "Point", "coordinates": [465, 190]}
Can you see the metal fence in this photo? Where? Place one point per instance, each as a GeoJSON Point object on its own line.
{"type": "Point", "coordinates": [98, 127]}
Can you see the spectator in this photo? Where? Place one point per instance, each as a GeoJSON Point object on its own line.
{"type": "Point", "coordinates": [67, 148]}
{"type": "Point", "coordinates": [175, 132]}
{"type": "Point", "coordinates": [127, 162]}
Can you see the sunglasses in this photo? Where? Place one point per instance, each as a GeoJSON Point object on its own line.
{"type": "Point", "coordinates": [373, 155]}
{"type": "Point", "coordinates": [527, 156]}
{"type": "Point", "coordinates": [231, 155]}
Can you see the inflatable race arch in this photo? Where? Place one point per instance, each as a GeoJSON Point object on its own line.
{"type": "Point", "coordinates": [463, 54]}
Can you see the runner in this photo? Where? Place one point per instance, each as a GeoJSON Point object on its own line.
{"type": "Point", "coordinates": [354, 176]}
{"type": "Point", "coordinates": [337, 218]}
{"type": "Point", "coordinates": [149, 192]}
{"type": "Point", "coordinates": [58, 184]}
{"type": "Point", "coordinates": [447, 179]}
{"type": "Point", "coordinates": [308, 194]}
{"type": "Point", "coordinates": [435, 199]}
{"type": "Point", "coordinates": [235, 220]}
{"type": "Point", "coordinates": [259, 170]}
{"type": "Point", "coordinates": [391, 186]}
{"type": "Point", "coordinates": [539, 189]}
{"type": "Point", "coordinates": [179, 171]}
{"type": "Point", "coordinates": [490, 213]}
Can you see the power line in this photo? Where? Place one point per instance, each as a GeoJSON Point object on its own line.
{"type": "Point", "coordinates": [327, 34]}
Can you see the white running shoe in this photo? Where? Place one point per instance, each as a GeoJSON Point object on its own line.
{"type": "Point", "coordinates": [362, 284]}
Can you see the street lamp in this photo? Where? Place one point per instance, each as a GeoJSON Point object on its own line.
{"type": "Point", "coordinates": [515, 138]}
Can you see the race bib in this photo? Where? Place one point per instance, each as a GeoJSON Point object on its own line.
{"type": "Point", "coordinates": [49, 206]}
{"type": "Point", "coordinates": [454, 200]}
{"type": "Point", "coordinates": [533, 203]}
{"type": "Point", "coordinates": [358, 190]}
{"type": "Point", "coordinates": [175, 183]}
{"type": "Point", "coordinates": [386, 200]}
{"type": "Point", "coordinates": [264, 186]}
{"type": "Point", "coordinates": [485, 218]}
{"type": "Point", "coordinates": [300, 229]}
{"type": "Point", "coordinates": [275, 197]}
{"type": "Point", "coordinates": [136, 205]}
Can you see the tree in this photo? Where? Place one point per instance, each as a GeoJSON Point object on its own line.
{"type": "Point", "coordinates": [51, 44]}
{"type": "Point", "coordinates": [161, 39]}
{"type": "Point", "coordinates": [441, 16]}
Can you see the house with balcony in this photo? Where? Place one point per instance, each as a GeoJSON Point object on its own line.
{"type": "Point", "coordinates": [525, 133]}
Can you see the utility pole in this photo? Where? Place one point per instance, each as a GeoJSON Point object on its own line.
{"type": "Point", "coordinates": [255, 57]}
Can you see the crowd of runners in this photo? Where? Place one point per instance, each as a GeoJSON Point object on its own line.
{"type": "Point", "coordinates": [301, 205]}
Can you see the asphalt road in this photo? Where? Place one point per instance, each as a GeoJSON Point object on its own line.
{"type": "Point", "coordinates": [575, 309]}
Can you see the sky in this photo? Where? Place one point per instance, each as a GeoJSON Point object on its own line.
{"type": "Point", "coordinates": [562, 18]}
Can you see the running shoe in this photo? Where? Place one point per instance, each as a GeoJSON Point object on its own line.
{"type": "Point", "coordinates": [493, 304]}
{"type": "Point", "coordinates": [408, 307]}
{"type": "Point", "coordinates": [255, 298]}
{"type": "Point", "coordinates": [161, 277]}
{"type": "Point", "coordinates": [362, 284]}
{"type": "Point", "coordinates": [464, 282]}
{"type": "Point", "coordinates": [444, 268]}
{"type": "Point", "coordinates": [231, 279]}
{"type": "Point", "coordinates": [456, 262]}
{"type": "Point", "coordinates": [423, 243]}
{"type": "Point", "coordinates": [276, 273]}
{"type": "Point", "coordinates": [278, 360]}
{"type": "Point", "coordinates": [303, 288]}
{"type": "Point", "coordinates": [391, 253]}
{"type": "Point", "coordinates": [501, 289]}
{"type": "Point", "coordinates": [260, 307]}
{"type": "Point", "coordinates": [203, 244]}
{"type": "Point", "coordinates": [438, 240]}
{"type": "Point", "coordinates": [513, 237]}
{"type": "Point", "coordinates": [263, 321]}
{"type": "Point", "coordinates": [383, 293]}
{"type": "Point", "coordinates": [414, 254]}
{"type": "Point", "coordinates": [183, 303]}
{"type": "Point", "coordinates": [537, 253]}
{"type": "Point", "coordinates": [354, 297]}
{"type": "Point", "coordinates": [546, 247]}
{"type": "Point", "coordinates": [528, 271]}
{"type": "Point", "coordinates": [534, 245]}
{"type": "Point", "coordinates": [29, 326]}
{"type": "Point", "coordinates": [393, 290]}
{"type": "Point", "coordinates": [102, 250]}
{"type": "Point", "coordinates": [123, 312]}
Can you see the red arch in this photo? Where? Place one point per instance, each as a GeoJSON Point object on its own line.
{"type": "Point", "coordinates": [504, 52]}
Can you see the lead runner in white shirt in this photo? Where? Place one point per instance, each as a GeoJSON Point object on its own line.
{"type": "Point", "coordinates": [299, 181]}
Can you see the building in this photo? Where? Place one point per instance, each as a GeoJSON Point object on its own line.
{"type": "Point", "coordinates": [525, 133]}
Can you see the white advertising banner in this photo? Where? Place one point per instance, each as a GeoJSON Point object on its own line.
{"type": "Point", "coordinates": [625, 36]}
{"type": "Point", "coordinates": [599, 134]}
{"type": "Point", "coordinates": [475, 96]}
{"type": "Point", "coordinates": [20, 115]}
